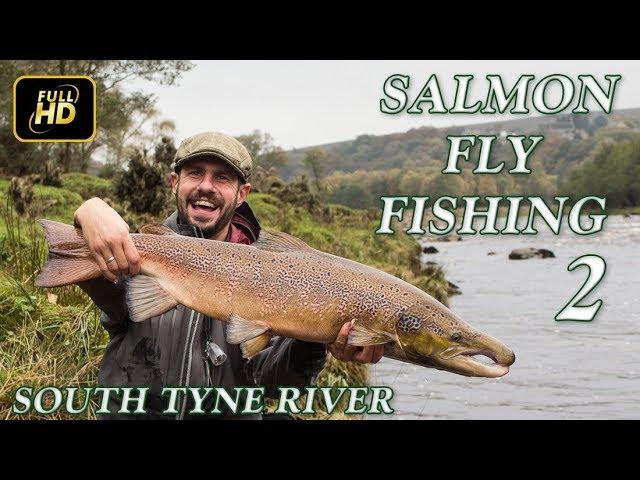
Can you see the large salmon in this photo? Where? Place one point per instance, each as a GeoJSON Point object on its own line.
{"type": "Point", "coordinates": [281, 286]}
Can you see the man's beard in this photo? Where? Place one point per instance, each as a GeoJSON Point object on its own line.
{"type": "Point", "coordinates": [224, 217]}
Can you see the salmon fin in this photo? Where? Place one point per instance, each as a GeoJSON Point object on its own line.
{"type": "Point", "coordinates": [70, 260]}
{"type": "Point", "coordinates": [156, 229]}
{"type": "Point", "coordinates": [240, 330]}
{"type": "Point", "coordinates": [279, 242]}
{"type": "Point", "coordinates": [255, 345]}
{"type": "Point", "coordinates": [362, 336]}
{"type": "Point", "coordinates": [59, 271]}
{"type": "Point", "coordinates": [146, 298]}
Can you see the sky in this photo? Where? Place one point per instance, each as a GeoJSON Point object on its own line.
{"type": "Point", "coordinates": [304, 103]}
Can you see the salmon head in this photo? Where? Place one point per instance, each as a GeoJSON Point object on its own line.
{"type": "Point", "coordinates": [431, 335]}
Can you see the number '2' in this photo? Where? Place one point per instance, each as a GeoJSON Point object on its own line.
{"type": "Point", "coordinates": [597, 267]}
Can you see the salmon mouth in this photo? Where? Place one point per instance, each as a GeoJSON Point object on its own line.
{"type": "Point", "coordinates": [477, 363]}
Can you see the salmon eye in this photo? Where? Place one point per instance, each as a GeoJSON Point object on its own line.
{"type": "Point", "coordinates": [456, 337]}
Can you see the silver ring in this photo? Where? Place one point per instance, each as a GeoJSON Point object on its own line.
{"type": "Point", "coordinates": [110, 259]}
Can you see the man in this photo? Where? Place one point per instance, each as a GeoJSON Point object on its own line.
{"type": "Point", "coordinates": [182, 347]}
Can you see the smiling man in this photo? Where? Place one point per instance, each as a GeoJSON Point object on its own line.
{"type": "Point", "coordinates": [227, 165]}
{"type": "Point", "coordinates": [181, 347]}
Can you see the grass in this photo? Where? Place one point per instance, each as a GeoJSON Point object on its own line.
{"type": "Point", "coordinates": [50, 337]}
{"type": "Point", "coordinates": [53, 337]}
{"type": "Point", "coordinates": [86, 185]}
{"type": "Point", "coordinates": [56, 203]}
{"type": "Point", "coordinates": [44, 343]}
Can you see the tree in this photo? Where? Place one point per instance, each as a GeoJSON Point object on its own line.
{"type": "Point", "coordinates": [619, 182]}
{"type": "Point", "coordinates": [315, 160]}
{"type": "Point", "coordinates": [164, 152]}
{"type": "Point", "coordinates": [128, 116]}
{"type": "Point", "coordinates": [262, 150]}
{"type": "Point", "coordinates": [446, 184]}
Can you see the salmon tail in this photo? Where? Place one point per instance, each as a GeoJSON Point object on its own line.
{"type": "Point", "coordinates": [69, 261]}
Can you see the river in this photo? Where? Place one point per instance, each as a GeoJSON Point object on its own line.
{"type": "Point", "coordinates": [563, 370]}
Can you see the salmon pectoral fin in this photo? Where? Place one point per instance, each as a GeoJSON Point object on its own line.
{"type": "Point", "coordinates": [146, 298]}
{"type": "Point", "coordinates": [362, 336]}
{"type": "Point", "coordinates": [255, 345]}
{"type": "Point", "coordinates": [240, 330]}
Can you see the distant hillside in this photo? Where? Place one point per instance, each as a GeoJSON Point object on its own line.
{"type": "Point", "coordinates": [569, 139]}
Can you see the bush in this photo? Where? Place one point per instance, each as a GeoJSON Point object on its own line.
{"type": "Point", "coordinates": [142, 188]}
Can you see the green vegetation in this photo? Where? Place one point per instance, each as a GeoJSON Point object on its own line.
{"type": "Point", "coordinates": [409, 163]}
{"type": "Point", "coordinates": [143, 187]}
{"type": "Point", "coordinates": [613, 173]}
{"type": "Point", "coordinates": [58, 203]}
{"type": "Point", "coordinates": [86, 185]}
{"type": "Point", "coordinates": [50, 337]}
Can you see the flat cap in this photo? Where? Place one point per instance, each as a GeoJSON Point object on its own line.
{"type": "Point", "coordinates": [218, 145]}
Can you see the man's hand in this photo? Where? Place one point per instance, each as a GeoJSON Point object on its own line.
{"type": "Point", "coordinates": [341, 350]}
{"type": "Point", "coordinates": [107, 236]}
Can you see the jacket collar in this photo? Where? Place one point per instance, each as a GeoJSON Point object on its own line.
{"type": "Point", "coordinates": [243, 218]}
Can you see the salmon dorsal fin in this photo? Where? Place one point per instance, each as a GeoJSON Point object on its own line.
{"type": "Point", "coordinates": [279, 242]}
{"type": "Point", "coordinates": [156, 229]}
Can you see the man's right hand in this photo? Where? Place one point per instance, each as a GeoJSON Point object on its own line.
{"type": "Point", "coordinates": [107, 236]}
{"type": "Point", "coordinates": [342, 350]}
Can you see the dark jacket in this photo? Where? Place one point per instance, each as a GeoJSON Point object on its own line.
{"type": "Point", "coordinates": [171, 350]}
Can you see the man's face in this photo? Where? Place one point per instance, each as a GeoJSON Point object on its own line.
{"type": "Point", "coordinates": [207, 193]}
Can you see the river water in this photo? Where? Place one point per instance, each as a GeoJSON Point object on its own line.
{"type": "Point", "coordinates": [563, 370]}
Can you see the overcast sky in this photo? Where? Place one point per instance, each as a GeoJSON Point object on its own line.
{"type": "Point", "coordinates": [302, 103]}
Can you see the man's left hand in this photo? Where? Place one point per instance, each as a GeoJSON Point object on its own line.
{"type": "Point", "coordinates": [341, 350]}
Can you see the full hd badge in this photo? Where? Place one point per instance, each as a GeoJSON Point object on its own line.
{"type": "Point", "coordinates": [54, 109]}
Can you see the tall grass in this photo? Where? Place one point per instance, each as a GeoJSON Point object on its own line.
{"type": "Point", "coordinates": [50, 337]}
{"type": "Point", "coordinates": [22, 246]}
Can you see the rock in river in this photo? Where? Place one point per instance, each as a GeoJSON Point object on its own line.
{"type": "Point", "coordinates": [525, 253]}
{"type": "Point", "coordinates": [447, 238]}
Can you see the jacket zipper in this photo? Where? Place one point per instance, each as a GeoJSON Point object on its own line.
{"type": "Point", "coordinates": [187, 355]}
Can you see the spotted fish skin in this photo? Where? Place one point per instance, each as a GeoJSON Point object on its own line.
{"type": "Point", "coordinates": [301, 293]}
{"type": "Point", "coordinates": [281, 286]}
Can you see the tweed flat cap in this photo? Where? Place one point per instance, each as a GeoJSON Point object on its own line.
{"type": "Point", "coordinates": [218, 145]}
